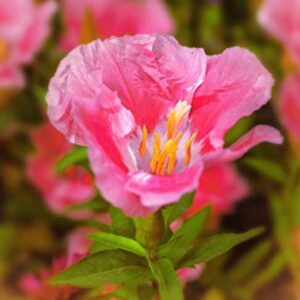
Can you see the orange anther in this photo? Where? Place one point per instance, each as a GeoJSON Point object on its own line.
{"type": "Point", "coordinates": [188, 145]}
{"type": "Point", "coordinates": [142, 148]}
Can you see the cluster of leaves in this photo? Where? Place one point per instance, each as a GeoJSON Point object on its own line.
{"type": "Point", "coordinates": [134, 253]}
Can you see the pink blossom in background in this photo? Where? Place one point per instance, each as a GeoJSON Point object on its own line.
{"type": "Point", "coordinates": [221, 187]}
{"type": "Point", "coordinates": [190, 274]}
{"type": "Point", "coordinates": [282, 20]}
{"type": "Point", "coordinates": [154, 114]}
{"type": "Point", "coordinates": [87, 20]}
{"type": "Point", "coordinates": [78, 244]}
{"type": "Point", "coordinates": [24, 27]}
{"type": "Point", "coordinates": [289, 108]}
{"type": "Point", "coordinates": [38, 287]}
{"type": "Point", "coordinates": [60, 191]}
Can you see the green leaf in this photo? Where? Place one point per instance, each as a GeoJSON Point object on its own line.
{"type": "Point", "coordinates": [267, 168]}
{"type": "Point", "coordinates": [40, 93]}
{"type": "Point", "coordinates": [96, 203]}
{"type": "Point", "coordinates": [216, 245]}
{"type": "Point", "coordinates": [118, 241]}
{"type": "Point", "coordinates": [175, 211]}
{"type": "Point", "coordinates": [104, 267]}
{"type": "Point", "coordinates": [98, 247]}
{"type": "Point", "coordinates": [121, 224]}
{"type": "Point", "coordinates": [249, 262]}
{"type": "Point", "coordinates": [168, 281]}
{"type": "Point", "coordinates": [192, 227]}
{"type": "Point", "coordinates": [183, 238]}
{"type": "Point", "coordinates": [79, 154]}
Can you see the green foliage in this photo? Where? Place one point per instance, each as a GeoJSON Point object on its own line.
{"type": "Point", "coordinates": [76, 156]}
{"type": "Point", "coordinates": [121, 224]}
{"type": "Point", "coordinates": [183, 238]}
{"type": "Point", "coordinates": [104, 267]}
{"type": "Point", "coordinates": [175, 211]}
{"type": "Point", "coordinates": [150, 230]}
{"type": "Point", "coordinates": [267, 168]}
{"type": "Point", "coordinates": [168, 281]}
{"type": "Point", "coordinates": [118, 242]}
{"type": "Point", "coordinates": [216, 245]}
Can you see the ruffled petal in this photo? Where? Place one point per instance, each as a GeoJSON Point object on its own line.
{"type": "Point", "coordinates": [259, 134]}
{"type": "Point", "coordinates": [111, 182]}
{"type": "Point", "coordinates": [236, 85]}
{"type": "Point", "coordinates": [156, 191]}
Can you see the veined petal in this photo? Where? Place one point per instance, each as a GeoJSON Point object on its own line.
{"type": "Point", "coordinates": [236, 84]}
{"type": "Point", "coordinates": [259, 134]}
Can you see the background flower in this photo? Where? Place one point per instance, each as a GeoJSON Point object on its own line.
{"type": "Point", "coordinates": [60, 191]}
{"type": "Point", "coordinates": [87, 20]}
{"type": "Point", "coordinates": [24, 27]}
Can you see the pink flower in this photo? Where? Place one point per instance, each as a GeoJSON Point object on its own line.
{"type": "Point", "coordinates": [60, 191]}
{"type": "Point", "coordinates": [190, 274]}
{"type": "Point", "coordinates": [221, 187]}
{"type": "Point", "coordinates": [283, 22]}
{"type": "Point", "coordinates": [23, 28]}
{"type": "Point", "coordinates": [154, 114]}
{"type": "Point", "coordinates": [87, 20]}
{"type": "Point", "coordinates": [38, 287]}
{"type": "Point", "coordinates": [78, 244]}
{"type": "Point", "coordinates": [289, 108]}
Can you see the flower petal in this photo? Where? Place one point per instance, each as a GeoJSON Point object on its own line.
{"type": "Point", "coordinates": [259, 134]}
{"type": "Point", "coordinates": [236, 85]}
{"type": "Point", "coordinates": [111, 181]}
{"type": "Point", "coordinates": [156, 191]}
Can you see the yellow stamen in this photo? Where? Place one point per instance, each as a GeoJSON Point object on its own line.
{"type": "Point", "coordinates": [156, 151]}
{"type": "Point", "coordinates": [142, 148]}
{"type": "Point", "coordinates": [188, 145]}
{"type": "Point", "coordinates": [171, 124]}
{"type": "Point", "coordinates": [172, 155]}
{"type": "Point", "coordinates": [175, 117]}
{"type": "Point", "coordinates": [160, 165]}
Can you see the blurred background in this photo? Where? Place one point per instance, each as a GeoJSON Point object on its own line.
{"type": "Point", "coordinates": [36, 219]}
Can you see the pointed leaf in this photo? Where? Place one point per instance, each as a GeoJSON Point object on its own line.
{"type": "Point", "coordinates": [216, 245]}
{"type": "Point", "coordinates": [168, 281]}
{"type": "Point", "coordinates": [104, 267]}
{"type": "Point", "coordinates": [77, 155]}
{"type": "Point", "coordinates": [175, 211]}
{"type": "Point", "coordinates": [267, 168]}
{"type": "Point", "coordinates": [118, 241]}
{"type": "Point", "coordinates": [183, 238]}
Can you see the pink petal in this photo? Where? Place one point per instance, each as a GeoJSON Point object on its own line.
{"type": "Point", "coordinates": [111, 181]}
{"type": "Point", "coordinates": [259, 134]}
{"type": "Point", "coordinates": [156, 191]}
{"type": "Point", "coordinates": [11, 77]}
{"type": "Point", "coordinates": [221, 187]}
{"type": "Point", "coordinates": [36, 32]}
{"type": "Point", "coordinates": [236, 85]}
{"type": "Point", "coordinates": [115, 18]}
{"type": "Point", "coordinates": [289, 105]}
{"type": "Point", "coordinates": [283, 22]}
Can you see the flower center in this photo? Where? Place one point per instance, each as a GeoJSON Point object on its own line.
{"type": "Point", "coordinates": [164, 154]}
